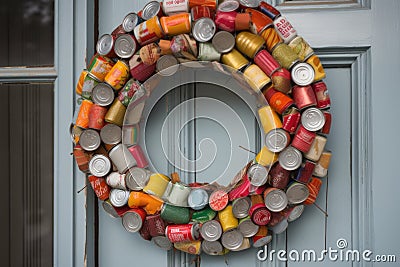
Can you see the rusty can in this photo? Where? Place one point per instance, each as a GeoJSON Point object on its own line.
{"type": "Point", "coordinates": [103, 94]}
{"type": "Point", "coordinates": [314, 187]}
{"type": "Point", "coordinates": [226, 21]}
{"type": "Point", "coordinates": [301, 48]}
{"type": "Point", "coordinates": [232, 239]}
{"type": "Point", "coordinates": [116, 113]}
{"type": "Point", "coordinates": [125, 46]}
{"type": "Point", "coordinates": [277, 140]}
{"type": "Point", "coordinates": [256, 77]}
{"type": "Point", "coordinates": [176, 24]}
{"type": "Point", "coordinates": [278, 176]}
{"type": "Point", "coordinates": [96, 117]}
{"type": "Point", "coordinates": [82, 119]}
{"type": "Point", "coordinates": [302, 74]}
{"type": "Point", "coordinates": [156, 224]}
{"type": "Point", "coordinates": [321, 168]}
{"type": "Point", "coordinates": [278, 101]}
{"type": "Point", "coordinates": [321, 94]}
{"type": "Point", "coordinates": [198, 12]}
{"type": "Point", "coordinates": [261, 238]}
{"type": "Point", "coordinates": [227, 219]}
{"type": "Point", "coordinates": [260, 21]}
{"type": "Point", "coordinates": [105, 45]}
{"type": "Point", "coordinates": [235, 60]}
{"type": "Point", "coordinates": [118, 75]}
{"type": "Point", "coordinates": [249, 44]}
{"type": "Point", "coordinates": [290, 158]}
{"type": "Point", "coordinates": [171, 7]}
{"type": "Point", "coordinates": [218, 200]}
{"type": "Point", "coordinates": [241, 207]}
{"type": "Point", "coordinates": [269, 119]}
{"type": "Point", "coordinates": [99, 67]}
{"type": "Point", "coordinates": [296, 193]}
{"type": "Point", "coordinates": [122, 158]}
{"type": "Point", "coordinates": [99, 187]}
{"type": "Point", "coordinates": [286, 57]}
{"type": "Point", "coordinates": [211, 230]}
{"type": "Point", "coordinates": [82, 158]}
{"type": "Point", "coordinates": [282, 80]}
{"type": "Point", "coordinates": [269, 10]}
{"type": "Point", "coordinates": [90, 140]}
{"type": "Point", "coordinates": [304, 173]}
{"type": "Point", "coordinates": [151, 9]}
{"type": "Point", "coordinates": [290, 120]}
{"type": "Point", "coordinates": [285, 29]}
{"type": "Point", "coordinates": [139, 70]}
{"type": "Point", "coordinates": [204, 29]}
{"type": "Point", "coordinates": [130, 21]}
{"type": "Point", "coordinates": [182, 232]}
{"type": "Point", "coordinates": [116, 180]}
{"type": "Point", "coordinates": [247, 227]}
{"type": "Point", "coordinates": [304, 96]}
{"type": "Point", "coordinates": [148, 31]}
{"type": "Point", "coordinates": [303, 139]}
{"type": "Point", "coordinates": [318, 68]}
{"type": "Point", "coordinates": [133, 220]}
{"type": "Point", "coordinates": [266, 62]}
{"type": "Point", "coordinates": [258, 212]}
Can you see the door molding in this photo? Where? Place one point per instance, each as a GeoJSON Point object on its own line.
{"type": "Point", "coordinates": [306, 5]}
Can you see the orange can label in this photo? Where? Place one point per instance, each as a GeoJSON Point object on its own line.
{"type": "Point", "coordinates": [176, 24]}
{"type": "Point", "coordinates": [83, 115]}
{"type": "Point", "coordinates": [118, 75]}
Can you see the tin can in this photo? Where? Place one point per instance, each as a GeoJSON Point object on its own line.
{"type": "Point", "coordinates": [213, 248]}
{"type": "Point", "coordinates": [256, 78]}
{"type": "Point", "coordinates": [285, 29]}
{"type": "Point", "coordinates": [174, 214]}
{"type": "Point", "coordinates": [218, 200]}
{"type": "Point", "coordinates": [260, 21]}
{"type": "Point", "coordinates": [328, 121]}
{"type": "Point", "coordinates": [198, 12]}
{"type": "Point", "coordinates": [96, 117]}
{"type": "Point", "coordinates": [100, 66]}
{"type": "Point", "coordinates": [249, 4]}
{"type": "Point", "coordinates": [82, 158]}
{"type": "Point", "coordinates": [242, 189]}
{"type": "Point", "coordinates": [211, 230]}
{"type": "Point", "coordinates": [139, 70]}
{"type": "Point", "coordinates": [207, 52]}
{"type": "Point", "coordinates": [303, 139]}
{"type": "Point", "coordinates": [82, 119]}
{"type": "Point", "coordinates": [89, 83]}
{"type": "Point", "coordinates": [130, 21]}
{"type": "Point", "coordinates": [105, 45]}
{"type": "Point", "coordinates": [110, 134]}
{"type": "Point", "coordinates": [99, 187]}
{"type": "Point", "coordinates": [314, 187]}
{"type": "Point", "coordinates": [266, 157]}
{"type": "Point", "coordinates": [127, 92]}
{"type": "Point", "coordinates": [312, 119]}
{"type": "Point", "coordinates": [118, 75]}
{"type": "Point", "coordinates": [228, 6]}
{"type": "Point", "coordinates": [232, 239]}
{"type": "Point", "coordinates": [139, 156]}
{"type": "Point", "coordinates": [227, 219]}
{"type": "Point", "coordinates": [304, 96]}
{"type": "Point", "coordinates": [75, 133]}
{"type": "Point", "coordinates": [157, 184]}
{"type": "Point", "coordinates": [114, 212]}
{"type": "Point", "coordinates": [99, 165]}
{"type": "Point", "coordinates": [269, 119]}
{"type": "Point", "coordinates": [223, 42]}
{"type": "Point", "coordinates": [148, 31]}
{"type": "Point", "coordinates": [182, 232]}
{"type": "Point", "coordinates": [144, 232]}
{"type": "Point", "coordinates": [258, 212]}
{"type": "Point", "coordinates": [234, 59]}
{"type": "Point", "coordinates": [204, 215]}
{"type": "Point", "coordinates": [225, 21]}
{"type": "Point", "coordinates": [285, 56]}
{"type": "Point", "coordinates": [247, 227]}
{"type": "Point", "coordinates": [191, 247]}
{"type": "Point", "coordinates": [282, 80]}
{"type": "Point", "coordinates": [241, 207]}
{"type": "Point", "coordinates": [176, 24]}
{"type": "Point", "coordinates": [90, 140]}
{"type": "Point", "coordinates": [278, 176]}
{"type": "Point", "coordinates": [122, 158]}
{"type": "Point", "coordinates": [118, 197]}
{"type": "Point", "coordinates": [321, 168]}
{"type": "Point", "coordinates": [318, 68]}
{"type": "Point", "coordinates": [116, 113]}
{"type": "Point", "coordinates": [197, 199]}
{"type": "Point", "coordinates": [301, 48]}
{"type": "Point", "coordinates": [157, 226]}
{"type": "Point", "coordinates": [167, 65]}
{"type": "Point", "coordinates": [133, 220]}
{"type": "Point", "coordinates": [165, 46]}
{"type": "Point", "coordinates": [290, 158]}
{"type": "Point", "coordinates": [116, 180]}
{"type": "Point", "coordinates": [242, 22]}
{"type": "Point", "coordinates": [245, 245]}
{"type": "Point", "coordinates": [103, 94]}
{"type": "Point", "coordinates": [118, 31]}
{"type": "Point", "coordinates": [317, 147]}
{"type": "Point", "coordinates": [321, 94]}
{"type": "Point", "coordinates": [271, 38]}
{"type": "Point", "coordinates": [162, 242]}
{"type": "Point", "coordinates": [278, 101]}
{"type": "Point", "coordinates": [130, 134]}
{"type": "Point", "coordinates": [79, 84]}
{"type": "Point", "coordinates": [262, 237]}
{"type": "Point", "coordinates": [296, 193]}
{"type": "Point", "coordinates": [266, 62]}
{"type": "Point", "coordinates": [203, 29]}
{"type": "Point", "coordinates": [125, 46]}
{"type": "Point", "coordinates": [183, 46]}
{"type": "Point", "coordinates": [280, 227]}
{"type": "Point", "coordinates": [174, 7]}
{"type": "Point", "coordinates": [179, 195]}
{"type": "Point", "coordinates": [275, 199]}
{"type": "Point", "coordinates": [137, 178]}
{"type": "Point", "coordinates": [269, 10]}
{"type": "Point", "coordinates": [302, 74]}
{"type": "Point", "coordinates": [276, 140]}
{"type": "Point", "coordinates": [257, 174]}
{"type": "Point", "coordinates": [150, 204]}
{"type": "Point", "coordinates": [212, 4]}
{"type": "Point", "coordinates": [291, 119]}
{"type": "Point", "coordinates": [249, 44]}
{"type": "Point", "coordinates": [305, 171]}
{"type": "Point", "coordinates": [151, 9]}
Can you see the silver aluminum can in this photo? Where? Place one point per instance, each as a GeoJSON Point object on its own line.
{"type": "Point", "coordinates": [109, 209]}
{"type": "Point", "coordinates": [198, 198]}
{"type": "Point", "coordinates": [103, 94]}
{"type": "Point", "coordinates": [90, 140]}
{"type": "Point", "coordinates": [125, 46]}
{"type": "Point", "coordinates": [166, 193]}
{"type": "Point", "coordinates": [232, 239]}
{"type": "Point", "coordinates": [179, 195]}
{"type": "Point", "coordinates": [118, 197]}
{"type": "Point", "coordinates": [174, 7]}
{"type": "Point", "coordinates": [211, 230]}
{"type": "Point", "coordinates": [313, 119]}
{"type": "Point", "coordinates": [122, 158]}
{"type": "Point", "coordinates": [276, 200]}
{"type": "Point", "coordinates": [110, 134]}
{"type": "Point", "coordinates": [228, 6]}
{"type": "Point", "coordinates": [116, 180]}
{"type": "Point", "coordinates": [204, 29]}
{"type": "Point", "coordinates": [137, 178]}
{"type": "Point", "coordinates": [290, 158]}
{"type": "Point", "coordinates": [223, 42]}
{"type": "Point", "coordinates": [277, 140]}
{"type": "Point", "coordinates": [167, 65]}
{"type": "Point", "coordinates": [295, 213]}
{"type": "Point", "coordinates": [263, 241]}
{"type": "Point", "coordinates": [105, 45]}
{"type": "Point", "coordinates": [241, 207]}
{"type": "Point", "coordinates": [130, 21]}
{"type": "Point", "coordinates": [280, 227]}
{"type": "Point", "coordinates": [132, 221]}
{"type": "Point", "coordinates": [99, 165]}
{"type": "Point", "coordinates": [250, 3]}
{"type": "Point", "coordinates": [207, 52]}
{"type": "Point", "coordinates": [245, 245]}
{"type": "Point", "coordinates": [297, 193]}
{"type": "Point", "coordinates": [247, 227]}
{"type": "Point", "coordinates": [302, 74]}
{"type": "Point", "coordinates": [151, 9]}
{"type": "Point", "coordinates": [212, 247]}
{"type": "Point", "coordinates": [162, 242]}
{"type": "Point", "coordinates": [258, 174]}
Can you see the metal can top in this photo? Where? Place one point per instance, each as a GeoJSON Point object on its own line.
{"type": "Point", "coordinates": [248, 228]}
{"type": "Point", "coordinates": [228, 6]}
{"type": "Point", "coordinates": [232, 239]}
{"type": "Point", "coordinates": [204, 29]}
{"type": "Point", "coordinates": [212, 247]}
{"type": "Point", "coordinates": [250, 3]}
{"type": "Point", "coordinates": [303, 74]}
{"type": "Point", "coordinates": [223, 41]}
{"type": "Point", "coordinates": [110, 134]}
{"type": "Point", "coordinates": [280, 227]}
{"type": "Point", "coordinates": [296, 193]}
{"type": "Point", "coordinates": [103, 94]}
{"type": "Point", "coordinates": [125, 46]}
{"type": "Point", "coordinates": [132, 221]}
{"type": "Point", "coordinates": [118, 197]}
{"type": "Point", "coordinates": [167, 65]}
{"type": "Point", "coordinates": [276, 200]}
{"type": "Point", "coordinates": [130, 21]}
{"type": "Point", "coordinates": [313, 119]}
{"type": "Point", "coordinates": [99, 165]}
{"type": "Point", "coordinates": [295, 213]}
{"type": "Point", "coordinates": [290, 158]}
{"type": "Point", "coordinates": [105, 44]}
{"type": "Point", "coordinates": [137, 178]}
{"type": "Point", "coordinates": [257, 174]}
{"type": "Point", "coordinates": [108, 207]}
{"type": "Point", "coordinates": [90, 140]}
{"type": "Point", "coordinates": [276, 140]}
{"type": "Point", "coordinates": [262, 241]}
{"type": "Point", "coordinates": [241, 207]}
{"type": "Point", "coordinates": [198, 198]}
{"type": "Point", "coordinates": [211, 230]}
{"type": "Point", "coordinates": [151, 9]}
{"type": "Point", "coordinates": [162, 242]}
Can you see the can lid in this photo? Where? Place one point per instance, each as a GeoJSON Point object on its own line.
{"type": "Point", "coordinates": [212, 247]}
{"type": "Point", "coordinates": [162, 242]}
{"type": "Point", "coordinates": [228, 6]}
{"type": "Point", "coordinates": [136, 178]}
{"type": "Point", "coordinates": [118, 197]}
{"type": "Point", "coordinates": [303, 74]}
{"type": "Point", "coordinates": [108, 207]}
{"type": "Point", "coordinates": [276, 200]}
{"type": "Point", "coordinates": [241, 207]}
{"type": "Point", "coordinates": [151, 9]}
{"type": "Point", "coordinates": [297, 193]}
{"type": "Point", "coordinates": [111, 134]}
{"type": "Point", "coordinates": [290, 158]}
{"type": "Point", "coordinates": [223, 41]}
{"type": "Point", "coordinates": [257, 174]}
{"type": "Point", "coordinates": [103, 94]}
{"type": "Point", "coordinates": [295, 213]}
{"type": "Point", "coordinates": [99, 165]}
{"type": "Point", "coordinates": [211, 230]}
{"type": "Point", "coordinates": [280, 227]}
{"type": "Point", "coordinates": [125, 46]}
{"type": "Point", "coordinates": [250, 3]}
{"type": "Point", "coordinates": [204, 29]}
{"type": "Point", "coordinates": [313, 119]}
{"type": "Point", "coordinates": [130, 21]}
{"type": "Point", "coordinates": [218, 200]}
{"type": "Point", "coordinates": [132, 221]}
{"type": "Point", "coordinates": [248, 228]}
{"type": "Point", "coordinates": [262, 241]}
{"type": "Point", "coordinates": [232, 239]}
{"type": "Point", "coordinates": [90, 140]}
{"type": "Point", "coordinates": [105, 44]}
{"type": "Point", "coordinates": [276, 140]}
{"type": "Point", "coordinates": [198, 198]}
{"type": "Point", "coordinates": [167, 65]}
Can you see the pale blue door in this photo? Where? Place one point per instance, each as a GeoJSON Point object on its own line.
{"type": "Point", "coordinates": [358, 43]}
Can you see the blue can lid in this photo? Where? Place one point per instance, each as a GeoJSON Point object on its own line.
{"type": "Point", "coordinates": [198, 198]}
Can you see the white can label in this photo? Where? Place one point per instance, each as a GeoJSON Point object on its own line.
{"type": "Point", "coordinates": [285, 29]}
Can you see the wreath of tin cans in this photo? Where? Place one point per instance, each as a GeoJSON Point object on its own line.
{"type": "Point", "coordinates": [249, 37]}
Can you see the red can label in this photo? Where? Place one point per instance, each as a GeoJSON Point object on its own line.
{"type": "Point", "coordinates": [305, 172]}
{"type": "Point", "coordinates": [303, 139]}
{"type": "Point", "coordinates": [156, 225]}
{"type": "Point", "coordinates": [100, 187]}
{"type": "Point", "coordinates": [260, 215]}
{"type": "Point", "coordinates": [180, 232]}
{"type": "Point", "coordinates": [304, 96]}
{"type": "Point", "coordinates": [291, 121]}
{"type": "Point", "coordinates": [328, 121]}
{"type": "Point", "coordinates": [242, 190]}
{"type": "Point", "coordinates": [226, 21]}
{"type": "Point", "coordinates": [218, 200]}
{"type": "Point", "coordinates": [322, 95]}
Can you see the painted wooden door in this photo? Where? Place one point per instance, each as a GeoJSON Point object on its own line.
{"type": "Point", "coordinates": [358, 43]}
